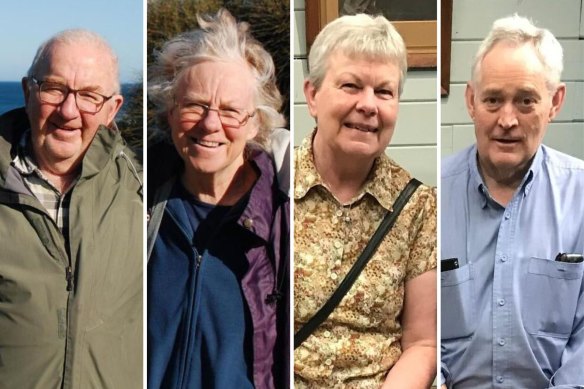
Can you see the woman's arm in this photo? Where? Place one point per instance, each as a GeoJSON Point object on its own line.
{"type": "Point", "coordinates": [416, 368]}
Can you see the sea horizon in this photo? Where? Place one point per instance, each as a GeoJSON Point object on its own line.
{"type": "Point", "coordinates": [12, 97]}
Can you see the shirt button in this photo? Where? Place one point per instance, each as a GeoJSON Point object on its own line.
{"type": "Point", "coordinates": [328, 362]}
{"type": "Point", "coordinates": [248, 223]}
{"type": "Point", "coordinates": [500, 379]}
{"type": "Point", "coordinates": [504, 258]}
{"type": "Point", "coordinates": [339, 213]}
{"type": "Point", "coordinates": [337, 244]}
{"type": "Point", "coordinates": [501, 342]}
{"type": "Point", "coordinates": [501, 302]}
{"type": "Point", "coordinates": [327, 334]}
{"type": "Point", "coordinates": [334, 276]}
{"type": "Point", "coordinates": [507, 215]}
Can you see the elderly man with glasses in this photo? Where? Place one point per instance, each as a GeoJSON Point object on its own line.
{"type": "Point", "coordinates": [70, 226]}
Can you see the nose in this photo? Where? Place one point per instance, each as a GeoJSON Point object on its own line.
{"type": "Point", "coordinates": [367, 102]}
{"type": "Point", "coordinates": [507, 116]}
{"type": "Point", "coordinates": [211, 122]}
{"type": "Point", "coordinates": [68, 107]}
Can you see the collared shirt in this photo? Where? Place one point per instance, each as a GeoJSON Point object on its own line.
{"type": "Point", "coordinates": [512, 316]}
{"type": "Point", "coordinates": [360, 341]}
{"type": "Point", "coordinates": [55, 202]}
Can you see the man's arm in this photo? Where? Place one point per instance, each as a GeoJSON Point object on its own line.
{"type": "Point", "coordinates": [571, 372]}
{"type": "Point", "coordinates": [416, 368]}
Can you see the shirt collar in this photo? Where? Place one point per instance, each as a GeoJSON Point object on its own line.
{"type": "Point", "coordinates": [378, 184]}
{"type": "Point", "coordinates": [23, 161]}
{"type": "Point", "coordinates": [526, 182]}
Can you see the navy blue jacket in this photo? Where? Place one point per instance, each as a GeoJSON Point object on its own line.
{"type": "Point", "coordinates": [262, 233]}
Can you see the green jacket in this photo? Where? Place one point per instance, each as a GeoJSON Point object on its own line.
{"type": "Point", "coordinates": [89, 336]}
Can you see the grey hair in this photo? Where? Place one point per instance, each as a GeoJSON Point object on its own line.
{"type": "Point", "coordinates": [82, 36]}
{"type": "Point", "coordinates": [372, 37]}
{"type": "Point", "coordinates": [518, 31]}
{"type": "Point", "coordinates": [219, 38]}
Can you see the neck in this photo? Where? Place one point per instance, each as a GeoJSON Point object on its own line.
{"type": "Point", "coordinates": [344, 175]}
{"type": "Point", "coordinates": [61, 181]}
{"type": "Point", "coordinates": [502, 183]}
{"type": "Point", "coordinates": [217, 189]}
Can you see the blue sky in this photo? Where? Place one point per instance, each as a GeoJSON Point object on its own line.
{"type": "Point", "coordinates": [25, 24]}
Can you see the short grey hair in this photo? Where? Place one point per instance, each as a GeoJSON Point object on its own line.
{"type": "Point", "coordinates": [362, 35]}
{"type": "Point", "coordinates": [219, 37]}
{"type": "Point", "coordinates": [518, 31]}
{"type": "Point", "coordinates": [76, 36]}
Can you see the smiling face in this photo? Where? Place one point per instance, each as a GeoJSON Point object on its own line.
{"type": "Point", "coordinates": [511, 107]}
{"type": "Point", "coordinates": [356, 105]}
{"type": "Point", "coordinates": [207, 147]}
{"type": "Point", "coordinates": [60, 133]}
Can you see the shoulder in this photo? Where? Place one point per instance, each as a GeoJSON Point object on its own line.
{"type": "Point", "coordinates": [458, 163]}
{"type": "Point", "coordinates": [561, 160]}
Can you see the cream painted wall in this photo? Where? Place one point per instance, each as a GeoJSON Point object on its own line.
{"type": "Point", "coordinates": [414, 144]}
{"type": "Point", "coordinates": [471, 21]}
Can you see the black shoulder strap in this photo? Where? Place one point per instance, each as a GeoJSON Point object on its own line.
{"type": "Point", "coordinates": [384, 227]}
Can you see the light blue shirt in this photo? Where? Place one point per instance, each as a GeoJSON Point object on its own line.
{"type": "Point", "coordinates": [512, 316]}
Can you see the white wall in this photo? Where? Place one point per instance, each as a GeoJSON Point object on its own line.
{"type": "Point", "coordinates": [414, 143]}
{"type": "Point", "coordinates": [471, 21]}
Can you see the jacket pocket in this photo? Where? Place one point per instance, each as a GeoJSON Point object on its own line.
{"type": "Point", "coordinates": [550, 296]}
{"type": "Point", "coordinates": [458, 303]}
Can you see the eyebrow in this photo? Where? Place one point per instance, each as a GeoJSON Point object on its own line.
{"type": "Point", "coordinates": [61, 81]}
{"type": "Point", "coordinates": [384, 83]}
{"type": "Point", "coordinates": [198, 98]}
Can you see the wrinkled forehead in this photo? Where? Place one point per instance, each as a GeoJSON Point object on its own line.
{"type": "Point", "coordinates": [226, 80]}
{"type": "Point", "coordinates": [78, 63]}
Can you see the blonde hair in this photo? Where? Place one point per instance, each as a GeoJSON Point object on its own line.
{"type": "Point", "coordinates": [362, 35]}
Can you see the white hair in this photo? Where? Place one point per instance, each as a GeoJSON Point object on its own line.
{"type": "Point", "coordinates": [518, 30]}
{"type": "Point", "coordinates": [77, 36]}
{"type": "Point", "coordinates": [220, 37]}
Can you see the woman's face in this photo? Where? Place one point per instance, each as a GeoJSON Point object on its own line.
{"type": "Point", "coordinates": [356, 106]}
{"type": "Point", "coordinates": [206, 145]}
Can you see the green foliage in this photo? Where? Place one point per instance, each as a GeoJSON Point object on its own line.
{"type": "Point", "coordinates": [130, 121]}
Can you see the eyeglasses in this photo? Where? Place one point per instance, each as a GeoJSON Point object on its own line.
{"type": "Point", "coordinates": [229, 117]}
{"type": "Point", "coordinates": [54, 93]}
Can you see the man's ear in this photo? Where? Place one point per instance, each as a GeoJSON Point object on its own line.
{"type": "Point", "coordinates": [310, 94]}
{"type": "Point", "coordinates": [557, 101]}
{"type": "Point", "coordinates": [469, 98]}
{"type": "Point", "coordinates": [114, 106]}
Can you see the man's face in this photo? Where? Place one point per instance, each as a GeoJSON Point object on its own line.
{"type": "Point", "coordinates": [511, 107]}
{"type": "Point", "coordinates": [61, 134]}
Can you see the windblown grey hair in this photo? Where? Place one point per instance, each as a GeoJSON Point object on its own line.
{"type": "Point", "coordinates": [82, 36]}
{"type": "Point", "coordinates": [219, 37]}
{"type": "Point", "coordinates": [517, 30]}
{"type": "Point", "coordinates": [362, 35]}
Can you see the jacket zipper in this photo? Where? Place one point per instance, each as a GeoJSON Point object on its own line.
{"type": "Point", "coordinates": [198, 259]}
{"type": "Point", "coordinates": [189, 327]}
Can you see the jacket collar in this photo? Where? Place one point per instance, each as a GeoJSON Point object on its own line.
{"type": "Point", "coordinates": [258, 213]}
{"type": "Point", "coordinates": [105, 146]}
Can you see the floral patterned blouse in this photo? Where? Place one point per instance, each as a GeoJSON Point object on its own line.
{"type": "Point", "coordinates": [360, 341]}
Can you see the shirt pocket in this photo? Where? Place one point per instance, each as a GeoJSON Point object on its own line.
{"type": "Point", "coordinates": [458, 303]}
{"type": "Point", "coordinates": [550, 296]}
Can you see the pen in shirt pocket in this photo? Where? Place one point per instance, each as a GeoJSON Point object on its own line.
{"type": "Point", "coordinates": [569, 258]}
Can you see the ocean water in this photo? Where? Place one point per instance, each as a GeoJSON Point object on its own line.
{"type": "Point", "coordinates": [11, 95]}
